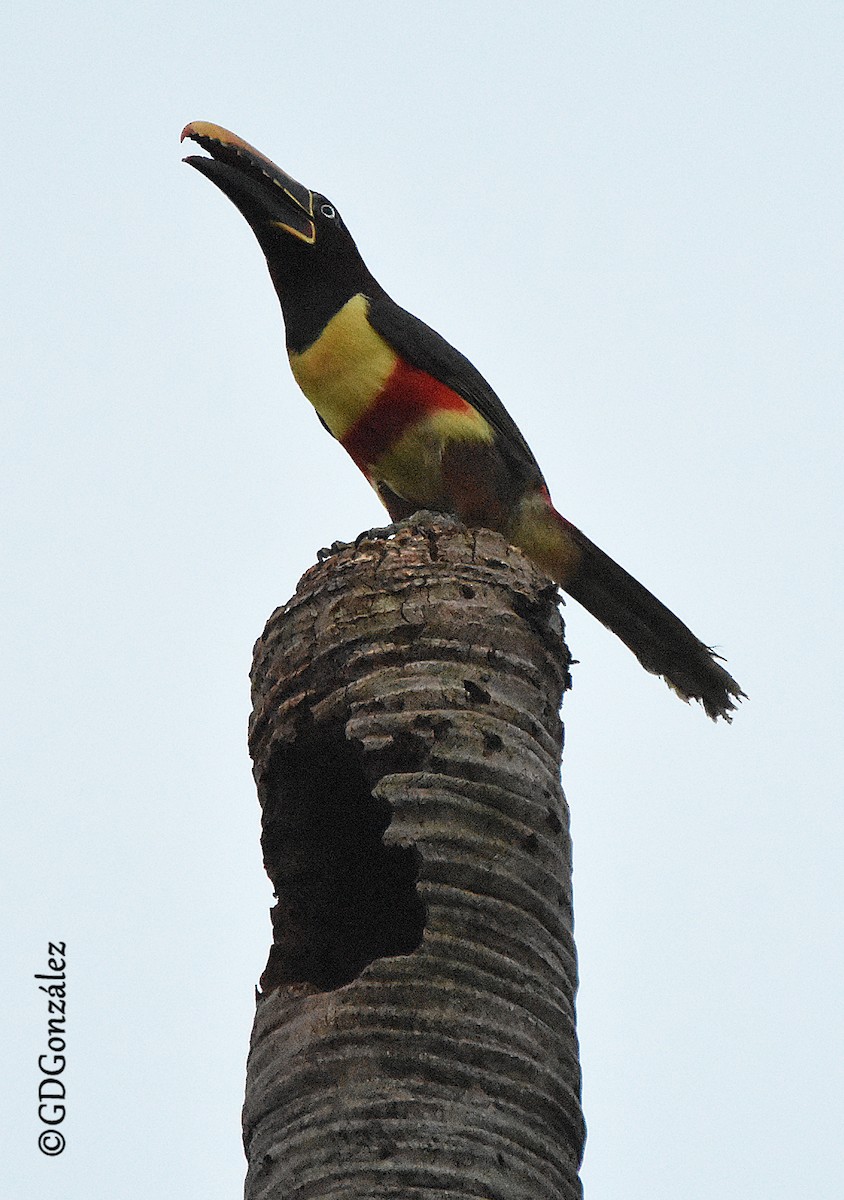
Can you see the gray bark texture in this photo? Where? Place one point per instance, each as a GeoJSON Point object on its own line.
{"type": "Point", "coordinates": [415, 1029]}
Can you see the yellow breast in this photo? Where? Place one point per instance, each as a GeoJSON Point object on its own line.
{"type": "Point", "coordinates": [345, 368]}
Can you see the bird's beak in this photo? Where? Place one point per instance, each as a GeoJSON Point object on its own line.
{"type": "Point", "coordinates": [264, 193]}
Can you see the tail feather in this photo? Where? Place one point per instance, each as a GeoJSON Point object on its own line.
{"type": "Point", "coordinates": [661, 642]}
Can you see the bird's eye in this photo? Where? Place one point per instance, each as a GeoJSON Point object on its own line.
{"type": "Point", "coordinates": [328, 211]}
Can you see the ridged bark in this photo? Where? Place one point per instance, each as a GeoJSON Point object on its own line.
{"type": "Point", "coordinates": [415, 1033]}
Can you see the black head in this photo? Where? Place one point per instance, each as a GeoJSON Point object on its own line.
{"type": "Point", "coordinates": [313, 260]}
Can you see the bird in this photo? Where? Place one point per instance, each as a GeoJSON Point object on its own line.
{"type": "Point", "coordinates": [421, 422]}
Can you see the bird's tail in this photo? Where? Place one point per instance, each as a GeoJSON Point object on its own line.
{"type": "Point", "coordinates": [661, 642]}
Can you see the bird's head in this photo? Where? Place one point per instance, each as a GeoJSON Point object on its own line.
{"type": "Point", "coordinates": [313, 259]}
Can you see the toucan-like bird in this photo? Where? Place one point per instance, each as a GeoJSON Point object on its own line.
{"type": "Point", "coordinates": [420, 421]}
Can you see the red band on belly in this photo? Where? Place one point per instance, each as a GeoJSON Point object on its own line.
{"type": "Point", "coordinates": [408, 396]}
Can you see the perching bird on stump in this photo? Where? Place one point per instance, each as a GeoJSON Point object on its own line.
{"type": "Point", "coordinates": [421, 422]}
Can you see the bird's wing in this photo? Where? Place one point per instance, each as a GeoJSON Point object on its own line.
{"type": "Point", "coordinates": [423, 348]}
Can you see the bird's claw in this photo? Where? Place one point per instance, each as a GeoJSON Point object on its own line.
{"type": "Point", "coordinates": [418, 522]}
{"type": "Point", "coordinates": [335, 548]}
{"type": "Point", "coordinates": [378, 533]}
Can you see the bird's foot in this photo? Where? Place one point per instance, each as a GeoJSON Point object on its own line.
{"type": "Point", "coordinates": [335, 548]}
{"type": "Point", "coordinates": [418, 522]}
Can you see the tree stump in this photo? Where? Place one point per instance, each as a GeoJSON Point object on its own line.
{"type": "Point", "coordinates": [415, 1029]}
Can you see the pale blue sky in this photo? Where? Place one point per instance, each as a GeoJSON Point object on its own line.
{"type": "Point", "coordinates": [629, 216]}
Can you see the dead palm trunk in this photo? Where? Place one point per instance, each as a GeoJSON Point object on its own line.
{"type": "Point", "coordinates": [415, 1033]}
